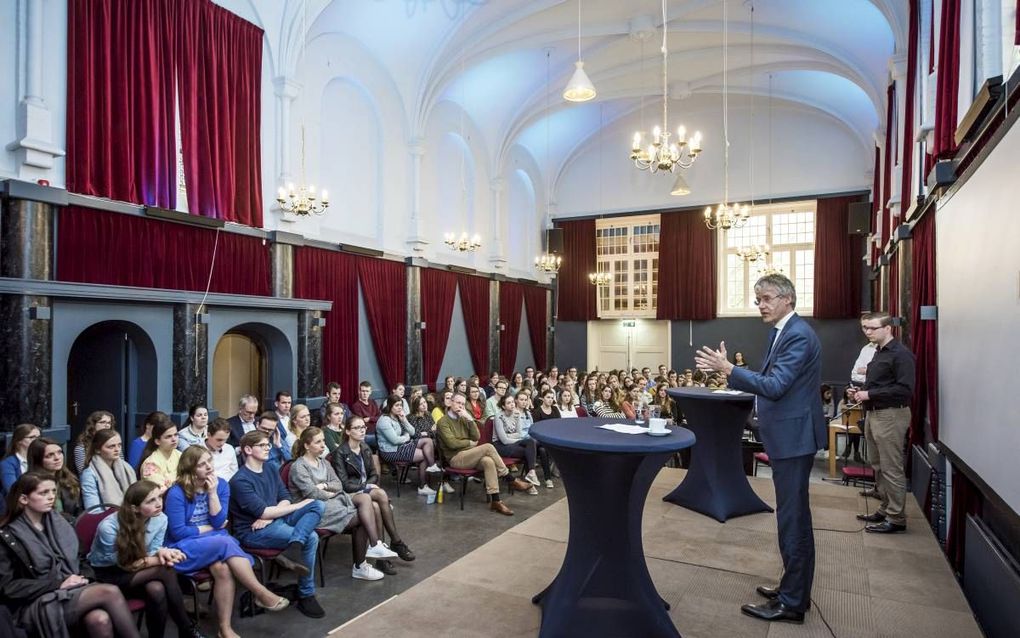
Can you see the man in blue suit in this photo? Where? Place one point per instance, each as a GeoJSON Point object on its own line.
{"type": "Point", "coordinates": [792, 427]}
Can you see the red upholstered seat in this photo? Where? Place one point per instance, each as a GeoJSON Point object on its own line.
{"type": "Point", "coordinates": [760, 458]}
{"type": "Point", "coordinates": [854, 474]}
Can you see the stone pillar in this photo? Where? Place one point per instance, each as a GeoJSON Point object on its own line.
{"type": "Point", "coordinates": [415, 240]}
{"type": "Point", "coordinates": [550, 321]}
{"type": "Point", "coordinates": [495, 327]}
{"type": "Point", "coordinates": [34, 147]}
{"type": "Point", "coordinates": [281, 262]}
{"type": "Point", "coordinates": [310, 388]}
{"type": "Point", "coordinates": [905, 255]}
{"type": "Point", "coordinates": [497, 256]}
{"type": "Point", "coordinates": [26, 245]}
{"type": "Point", "coordinates": [414, 373]}
{"type": "Point", "coordinates": [190, 360]}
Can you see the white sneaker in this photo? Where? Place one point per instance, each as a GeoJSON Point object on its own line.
{"type": "Point", "coordinates": [380, 550]}
{"type": "Point", "coordinates": [434, 468]}
{"type": "Point", "coordinates": [364, 571]}
{"type": "Point", "coordinates": [532, 478]}
{"type": "Point", "coordinates": [549, 483]}
{"type": "Point", "coordinates": [533, 490]}
{"type": "Point", "coordinates": [425, 490]}
{"type": "Point", "coordinates": [447, 487]}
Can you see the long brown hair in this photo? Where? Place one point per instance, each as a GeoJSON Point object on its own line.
{"type": "Point", "coordinates": [98, 441]}
{"type": "Point", "coordinates": [27, 483]}
{"type": "Point", "coordinates": [160, 424]}
{"type": "Point", "coordinates": [64, 477]}
{"type": "Point", "coordinates": [130, 542]}
{"type": "Point", "coordinates": [19, 434]}
{"type": "Point", "coordinates": [190, 458]}
{"type": "Point", "coordinates": [85, 438]}
{"type": "Point", "coordinates": [666, 402]}
{"type": "Point", "coordinates": [301, 445]}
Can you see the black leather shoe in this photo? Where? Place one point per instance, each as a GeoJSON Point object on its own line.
{"type": "Point", "coordinates": [773, 610]}
{"type": "Point", "coordinates": [877, 517]}
{"type": "Point", "coordinates": [872, 493]}
{"type": "Point", "coordinates": [885, 527]}
{"type": "Point", "coordinates": [767, 592]}
{"type": "Point", "coordinates": [772, 593]}
{"type": "Point", "coordinates": [386, 567]}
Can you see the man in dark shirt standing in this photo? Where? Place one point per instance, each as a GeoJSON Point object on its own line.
{"type": "Point", "coordinates": [888, 388]}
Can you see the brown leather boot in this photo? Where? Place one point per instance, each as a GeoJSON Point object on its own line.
{"type": "Point", "coordinates": [500, 506]}
{"type": "Point", "coordinates": [519, 485]}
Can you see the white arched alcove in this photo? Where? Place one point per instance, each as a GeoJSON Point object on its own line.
{"type": "Point", "coordinates": [521, 223]}
{"type": "Point", "coordinates": [350, 162]}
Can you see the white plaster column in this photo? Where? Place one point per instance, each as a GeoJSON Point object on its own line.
{"type": "Point", "coordinates": [898, 71]}
{"type": "Point", "coordinates": [497, 256]}
{"type": "Point", "coordinates": [989, 34]}
{"type": "Point", "coordinates": [286, 89]}
{"type": "Point", "coordinates": [415, 240]}
{"type": "Point", "coordinates": [34, 148]}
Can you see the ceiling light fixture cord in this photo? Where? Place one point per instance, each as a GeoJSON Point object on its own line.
{"type": "Point", "coordinates": [750, 89]}
{"type": "Point", "coordinates": [578, 29]}
{"type": "Point", "coordinates": [665, 68]}
{"type": "Point", "coordinates": [726, 107]}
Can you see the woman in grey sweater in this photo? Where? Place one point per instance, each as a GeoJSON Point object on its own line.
{"type": "Point", "coordinates": [508, 438]}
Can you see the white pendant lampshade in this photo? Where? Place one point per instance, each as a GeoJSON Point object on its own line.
{"type": "Point", "coordinates": [580, 88]}
{"type": "Point", "coordinates": [680, 186]}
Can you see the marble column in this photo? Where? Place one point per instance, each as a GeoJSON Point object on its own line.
{"type": "Point", "coordinates": [905, 255]}
{"type": "Point", "coordinates": [495, 327]}
{"type": "Point", "coordinates": [26, 245]}
{"type": "Point", "coordinates": [414, 372]}
{"type": "Point", "coordinates": [415, 240]}
{"type": "Point", "coordinates": [497, 255]}
{"type": "Point", "coordinates": [190, 360]}
{"type": "Point", "coordinates": [310, 390]}
{"type": "Point", "coordinates": [281, 265]}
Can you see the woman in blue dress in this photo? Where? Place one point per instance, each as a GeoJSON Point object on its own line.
{"type": "Point", "coordinates": [196, 509]}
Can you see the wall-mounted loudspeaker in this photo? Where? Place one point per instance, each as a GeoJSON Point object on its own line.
{"type": "Point", "coordinates": [554, 240]}
{"type": "Point", "coordinates": [859, 219]}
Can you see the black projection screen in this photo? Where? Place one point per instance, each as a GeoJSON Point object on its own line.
{"type": "Point", "coordinates": [978, 270]}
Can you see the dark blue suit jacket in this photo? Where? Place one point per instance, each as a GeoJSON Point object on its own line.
{"type": "Point", "coordinates": [790, 414]}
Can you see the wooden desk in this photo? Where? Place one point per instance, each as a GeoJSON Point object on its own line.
{"type": "Point", "coordinates": [847, 424]}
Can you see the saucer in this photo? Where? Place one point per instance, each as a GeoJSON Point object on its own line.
{"type": "Point", "coordinates": [666, 433]}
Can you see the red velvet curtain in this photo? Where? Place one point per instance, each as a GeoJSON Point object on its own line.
{"type": "Point", "coordinates": [438, 289]}
{"type": "Point", "coordinates": [838, 269]}
{"type": "Point", "coordinates": [890, 109]}
{"type": "Point", "coordinates": [907, 161]}
{"type": "Point", "coordinates": [511, 296]}
{"type": "Point", "coordinates": [220, 96]}
{"type": "Point", "coordinates": [687, 265]}
{"type": "Point", "coordinates": [99, 247]}
{"type": "Point", "coordinates": [535, 306]}
{"type": "Point", "coordinates": [120, 100]}
{"type": "Point", "coordinates": [1016, 29]}
{"type": "Point", "coordinates": [333, 276]}
{"type": "Point", "coordinates": [384, 289]}
{"type": "Point", "coordinates": [576, 294]}
{"type": "Point", "coordinates": [474, 302]}
{"type": "Point", "coordinates": [924, 334]}
{"type": "Point", "coordinates": [967, 499]}
{"type": "Point", "coordinates": [947, 81]}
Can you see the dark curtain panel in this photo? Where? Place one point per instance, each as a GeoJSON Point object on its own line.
{"type": "Point", "coordinates": [575, 293]}
{"type": "Point", "coordinates": [333, 276]}
{"type": "Point", "coordinates": [1016, 29]}
{"type": "Point", "coordinates": [535, 305]}
{"type": "Point", "coordinates": [907, 161]}
{"type": "Point", "coordinates": [120, 100]}
{"type": "Point", "coordinates": [837, 261]}
{"type": "Point", "coordinates": [438, 288]}
{"type": "Point", "coordinates": [384, 289]}
{"type": "Point", "coordinates": [511, 296]}
{"type": "Point", "coordinates": [947, 82]}
{"type": "Point", "coordinates": [220, 95]}
{"type": "Point", "coordinates": [967, 499]}
{"type": "Point", "coordinates": [687, 268]}
{"type": "Point", "coordinates": [474, 301]}
{"type": "Point", "coordinates": [894, 285]}
{"type": "Point", "coordinates": [887, 165]}
{"type": "Point", "coordinates": [924, 334]}
{"type": "Point", "coordinates": [125, 250]}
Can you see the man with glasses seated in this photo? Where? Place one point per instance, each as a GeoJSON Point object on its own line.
{"type": "Point", "coordinates": [244, 421]}
{"type": "Point", "coordinates": [279, 453]}
{"type": "Point", "coordinates": [264, 518]}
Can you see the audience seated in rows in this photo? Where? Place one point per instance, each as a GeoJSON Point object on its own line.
{"type": "Point", "coordinates": [399, 442]}
{"type": "Point", "coordinates": [98, 420]}
{"type": "Point", "coordinates": [46, 457]}
{"type": "Point", "coordinates": [106, 476]}
{"type": "Point", "coordinates": [193, 432]}
{"type": "Point", "coordinates": [161, 456]}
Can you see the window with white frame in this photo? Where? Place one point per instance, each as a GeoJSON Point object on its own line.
{"type": "Point", "coordinates": [627, 249]}
{"type": "Point", "coordinates": [787, 232]}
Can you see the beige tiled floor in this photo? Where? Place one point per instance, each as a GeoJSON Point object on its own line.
{"type": "Point", "coordinates": [865, 585]}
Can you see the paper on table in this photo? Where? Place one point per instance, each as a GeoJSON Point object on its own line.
{"type": "Point", "coordinates": [726, 392]}
{"type": "Point", "coordinates": [623, 428]}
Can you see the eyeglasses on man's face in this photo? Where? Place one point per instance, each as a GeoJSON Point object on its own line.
{"type": "Point", "coordinates": [264, 445]}
{"type": "Point", "coordinates": [766, 299]}
{"type": "Point", "coordinates": [872, 328]}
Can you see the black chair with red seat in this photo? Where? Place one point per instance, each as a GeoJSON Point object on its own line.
{"type": "Point", "coordinates": [457, 473]}
{"type": "Point", "coordinates": [485, 436]}
{"type": "Point", "coordinates": [85, 527]}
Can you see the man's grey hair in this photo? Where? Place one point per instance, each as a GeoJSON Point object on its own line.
{"type": "Point", "coordinates": [247, 399]}
{"type": "Point", "coordinates": [781, 284]}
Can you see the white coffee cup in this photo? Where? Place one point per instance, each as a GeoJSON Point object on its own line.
{"type": "Point", "coordinates": [657, 425]}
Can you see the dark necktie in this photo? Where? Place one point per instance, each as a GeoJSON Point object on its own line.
{"type": "Point", "coordinates": [772, 342]}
